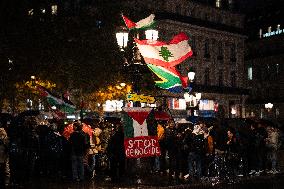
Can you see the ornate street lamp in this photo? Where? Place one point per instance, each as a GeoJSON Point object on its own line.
{"type": "Point", "coordinates": [268, 106]}
{"type": "Point", "coordinates": [191, 75]}
{"type": "Point", "coordinates": [122, 39]}
{"type": "Point", "coordinates": [133, 62]}
{"type": "Point", "coordinates": [152, 34]}
{"type": "Point", "coordinates": [186, 97]}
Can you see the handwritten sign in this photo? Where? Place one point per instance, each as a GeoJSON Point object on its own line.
{"type": "Point", "coordinates": [140, 98]}
{"type": "Point", "coordinates": [142, 146]}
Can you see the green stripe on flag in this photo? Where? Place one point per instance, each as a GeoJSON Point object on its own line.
{"type": "Point", "coordinates": [128, 126]}
{"type": "Point", "coordinates": [168, 79]}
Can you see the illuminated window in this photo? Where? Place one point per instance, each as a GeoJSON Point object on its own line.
{"type": "Point", "coordinates": [218, 3]}
{"type": "Point", "coordinates": [54, 9]}
{"type": "Point", "coordinates": [250, 73]}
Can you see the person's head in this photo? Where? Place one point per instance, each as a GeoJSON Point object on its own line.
{"type": "Point", "coordinates": [230, 133]}
{"type": "Point", "coordinates": [171, 124]}
{"type": "Point", "coordinates": [77, 125]}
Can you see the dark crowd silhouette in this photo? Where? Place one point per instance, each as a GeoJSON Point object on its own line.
{"type": "Point", "coordinates": [190, 152]}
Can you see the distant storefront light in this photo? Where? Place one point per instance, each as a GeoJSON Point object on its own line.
{"type": "Point", "coordinates": [113, 105]}
{"type": "Point", "coordinates": [272, 33]}
{"type": "Point", "coordinates": [178, 104]}
{"type": "Point", "coordinates": [71, 117]}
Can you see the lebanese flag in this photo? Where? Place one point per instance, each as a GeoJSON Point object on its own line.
{"type": "Point", "coordinates": [142, 24]}
{"type": "Point", "coordinates": [165, 54]}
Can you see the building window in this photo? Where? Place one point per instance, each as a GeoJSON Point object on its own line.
{"type": "Point", "coordinates": [233, 53]}
{"type": "Point", "coordinates": [206, 49]}
{"type": "Point", "coordinates": [54, 9]}
{"type": "Point", "coordinates": [260, 33]}
{"type": "Point", "coordinates": [233, 79]}
{"type": "Point", "coordinates": [250, 73]}
{"type": "Point", "coordinates": [220, 51]}
{"type": "Point", "coordinates": [220, 78]}
{"type": "Point", "coordinates": [178, 9]}
{"type": "Point", "coordinates": [218, 3]}
{"type": "Point", "coordinates": [193, 45]}
{"type": "Point", "coordinates": [207, 77]}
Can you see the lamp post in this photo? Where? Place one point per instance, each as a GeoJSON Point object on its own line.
{"type": "Point", "coordinates": [152, 34]}
{"type": "Point", "coordinates": [30, 101]}
{"type": "Point", "coordinates": [190, 97]}
{"type": "Point", "coordinates": [133, 66]}
{"type": "Point", "coordinates": [268, 107]}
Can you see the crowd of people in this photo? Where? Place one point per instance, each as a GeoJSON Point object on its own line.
{"type": "Point", "coordinates": [218, 150]}
{"type": "Point", "coordinates": [189, 152]}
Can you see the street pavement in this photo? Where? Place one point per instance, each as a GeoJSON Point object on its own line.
{"type": "Point", "coordinates": [157, 181]}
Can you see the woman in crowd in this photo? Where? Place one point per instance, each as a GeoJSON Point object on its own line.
{"type": "Point", "coordinates": [232, 152]}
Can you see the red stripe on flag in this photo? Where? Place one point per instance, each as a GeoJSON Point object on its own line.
{"type": "Point", "coordinates": [178, 38]}
{"type": "Point", "coordinates": [128, 22]}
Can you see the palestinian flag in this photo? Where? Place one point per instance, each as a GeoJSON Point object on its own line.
{"type": "Point", "coordinates": [140, 133]}
{"type": "Point", "coordinates": [135, 121]}
{"type": "Point", "coordinates": [165, 54]}
{"type": "Point", "coordinates": [171, 79]}
{"type": "Point", "coordinates": [142, 24]}
{"type": "Point", "coordinates": [54, 100]}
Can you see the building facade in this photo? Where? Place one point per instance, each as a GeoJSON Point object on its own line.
{"type": "Point", "coordinates": [217, 39]}
{"type": "Point", "coordinates": [265, 61]}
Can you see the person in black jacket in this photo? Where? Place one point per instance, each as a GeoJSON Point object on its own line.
{"type": "Point", "coordinates": [116, 155]}
{"type": "Point", "coordinates": [171, 147]}
{"type": "Point", "coordinates": [80, 143]}
{"type": "Point", "coordinates": [232, 152]}
{"type": "Point", "coordinates": [196, 151]}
